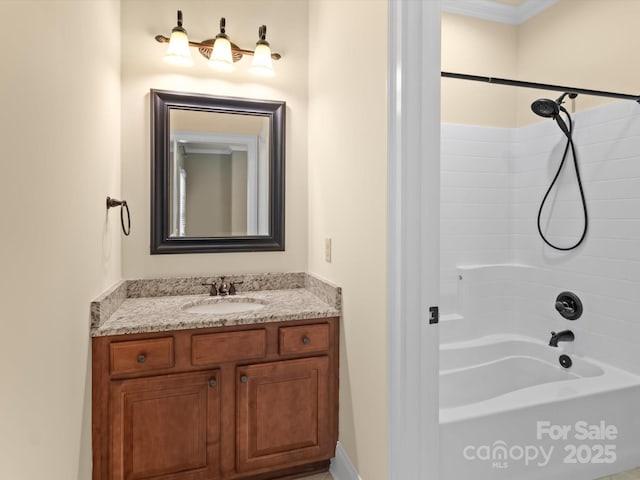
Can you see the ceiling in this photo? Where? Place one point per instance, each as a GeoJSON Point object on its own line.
{"type": "Point", "coordinates": [512, 12]}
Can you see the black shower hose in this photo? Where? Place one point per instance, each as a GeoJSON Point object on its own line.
{"type": "Point", "coordinates": [568, 146]}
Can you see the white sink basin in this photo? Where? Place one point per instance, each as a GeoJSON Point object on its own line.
{"type": "Point", "coordinates": [225, 305]}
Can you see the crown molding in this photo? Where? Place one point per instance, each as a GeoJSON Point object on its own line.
{"type": "Point", "coordinates": [496, 11]}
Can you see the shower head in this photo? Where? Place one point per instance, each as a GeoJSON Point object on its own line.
{"type": "Point", "coordinates": [545, 107]}
{"type": "Point", "coordinates": [548, 108]}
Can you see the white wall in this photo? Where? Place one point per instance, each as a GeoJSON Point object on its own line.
{"type": "Point", "coordinates": [60, 123]}
{"type": "Point", "coordinates": [143, 68]}
{"type": "Point", "coordinates": [347, 203]}
{"type": "Point", "coordinates": [475, 201]}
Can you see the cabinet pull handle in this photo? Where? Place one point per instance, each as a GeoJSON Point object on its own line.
{"type": "Point", "coordinates": [142, 358]}
{"type": "Point", "coordinates": [306, 340]}
{"type": "Point", "coordinates": [244, 379]}
{"type": "Point", "coordinates": [213, 382]}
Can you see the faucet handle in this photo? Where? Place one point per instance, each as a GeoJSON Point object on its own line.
{"type": "Point", "coordinates": [212, 291]}
{"type": "Point", "coordinates": [565, 307]}
{"type": "Point", "coordinates": [232, 287]}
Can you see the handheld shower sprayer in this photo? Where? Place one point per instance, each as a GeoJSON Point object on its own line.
{"type": "Point", "coordinates": [548, 108]}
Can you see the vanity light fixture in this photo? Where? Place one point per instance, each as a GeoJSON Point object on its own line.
{"type": "Point", "coordinates": [220, 51]}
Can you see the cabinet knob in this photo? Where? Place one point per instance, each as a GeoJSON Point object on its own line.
{"type": "Point", "coordinates": [142, 358]}
{"type": "Point", "coordinates": [244, 379]}
{"type": "Point", "coordinates": [306, 340]}
{"type": "Point", "coordinates": [213, 382]}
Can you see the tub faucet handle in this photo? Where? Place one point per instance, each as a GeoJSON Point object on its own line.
{"type": "Point", "coordinates": [569, 305]}
{"type": "Point", "coordinates": [564, 307]}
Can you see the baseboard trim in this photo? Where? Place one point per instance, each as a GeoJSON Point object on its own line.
{"type": "Point", "coordinates": [341, 466]}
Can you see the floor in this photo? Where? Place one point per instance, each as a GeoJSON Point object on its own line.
{"type": "Point", "coordinates": [630, 475]}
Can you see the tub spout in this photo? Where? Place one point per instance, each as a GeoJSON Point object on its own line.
{"type": "Point", "coordinates": [563, 336]}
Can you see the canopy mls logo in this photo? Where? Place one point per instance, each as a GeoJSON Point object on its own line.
{"type": "Point", "coordinates": [499, 453]}
{"type": "Point", "coordinates": [593, 450]}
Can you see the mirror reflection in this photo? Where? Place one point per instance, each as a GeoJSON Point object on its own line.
{"type": "Point", "coordinates": [219, 174]}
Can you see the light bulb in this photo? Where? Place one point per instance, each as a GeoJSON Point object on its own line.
{"type": "Point", "coordinates": [262, 64]}
{"type": "Point", "coordinates": [221, 57]}
{"type": "Point", "coordinates": [178, 51]}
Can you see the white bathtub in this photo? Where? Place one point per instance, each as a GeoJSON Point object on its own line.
{"type": "Point", "coordinates": [502, 366]}
{"type": "Point", "coordinates": [501, 395]}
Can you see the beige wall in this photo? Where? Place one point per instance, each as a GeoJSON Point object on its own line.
{"type": "Point", "coordinates": [580, 43]}
{"type": "Point", "coordinates": [208, 195]}
{"type": "Point", "coordinates": [143, 69]}
{"type": "Point", "coordinates": [60, 123]}
{"type": "Point", "coordinates": [348, 203]}
{"type": "Point", "coordinates": [478, 47]}
{"type": "Point", "coordinates": [190, 121]}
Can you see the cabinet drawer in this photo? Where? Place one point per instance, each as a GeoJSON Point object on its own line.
{"type": "Point", "coordinates": [214, 348]}
{"type": "Point", "coordinates": [141, 355]}
{"type": "Point", "coordinates": [304, 339]}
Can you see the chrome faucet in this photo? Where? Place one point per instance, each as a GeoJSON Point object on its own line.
{"type": "Point", "coordinates": [224, 288]}
{"type": "Point", "coordinates": [563, 336]}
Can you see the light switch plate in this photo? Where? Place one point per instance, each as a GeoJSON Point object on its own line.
{"type": "Point", "coordinates": [327, 250]}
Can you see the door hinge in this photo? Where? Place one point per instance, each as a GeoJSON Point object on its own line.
{"type": "Point", "coordinates": [434, 315]}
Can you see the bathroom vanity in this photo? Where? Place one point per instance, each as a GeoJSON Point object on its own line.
{"type": "Point", "coordinates": [242, 395]}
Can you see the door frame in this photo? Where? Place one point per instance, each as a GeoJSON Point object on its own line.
{"type": "Point", "coordinates": [413, 237]}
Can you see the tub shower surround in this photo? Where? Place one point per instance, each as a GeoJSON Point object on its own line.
{"type": "Point", "coordinates": [493, 180]}
{"type": "Point", "coordinates": [500, 282]}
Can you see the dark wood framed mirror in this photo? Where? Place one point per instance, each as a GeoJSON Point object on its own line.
{"type": "Point", "coordinates": [217, 173]}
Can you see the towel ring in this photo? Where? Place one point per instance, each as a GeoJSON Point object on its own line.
{"type": "Point", "coordinates": [113, 202]}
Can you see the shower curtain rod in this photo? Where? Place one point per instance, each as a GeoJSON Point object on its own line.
{"type": "Point", "coordinates": [541, 86]}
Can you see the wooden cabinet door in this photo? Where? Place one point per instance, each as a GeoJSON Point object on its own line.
{"type": "Point", "coordinates": [282, 416]}
{"type": "Point", "coordinates": [165, 427]}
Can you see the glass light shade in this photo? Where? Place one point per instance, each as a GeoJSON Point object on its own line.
{"type": "Point", "coordinates": [262, 63]}
{"type": "Point", "coordinates": [178, 51]}
{"type": "Point", "coordinates": [221, 58]}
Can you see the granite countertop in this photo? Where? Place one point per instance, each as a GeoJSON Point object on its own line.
{"type": "Point", "coordinates": [122, 309]}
